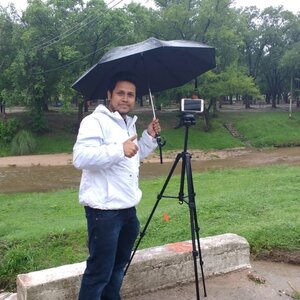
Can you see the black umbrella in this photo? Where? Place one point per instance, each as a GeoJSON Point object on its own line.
{"type": "Point", "coordinates": [157, 65]}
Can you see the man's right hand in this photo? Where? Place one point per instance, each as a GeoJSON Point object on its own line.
{"type": "Point", "coordinates": [129, 147]}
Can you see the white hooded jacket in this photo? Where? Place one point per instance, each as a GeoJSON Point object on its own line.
{"type": "Point", "coordinates": [109, 179]}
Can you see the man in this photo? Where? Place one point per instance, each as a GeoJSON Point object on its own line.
{"type": "Point", "coordinates": [109, 155]}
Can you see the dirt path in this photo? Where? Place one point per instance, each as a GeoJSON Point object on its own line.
{"type": "Point", "coordinates": [61, 159]}
{"type": "Point", "coordinates": [257, 157]}
{"type": "Point", "coordinates": [64, 159]}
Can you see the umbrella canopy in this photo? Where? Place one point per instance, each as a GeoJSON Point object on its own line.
{"type": "Point", "coordinates": [157, 65]}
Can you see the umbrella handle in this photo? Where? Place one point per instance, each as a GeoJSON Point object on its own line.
{"type": "Point", "coordinates": [161, 142]}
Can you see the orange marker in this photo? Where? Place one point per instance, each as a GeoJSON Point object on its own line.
{"type": "Point", "coordinates": [166, 217]}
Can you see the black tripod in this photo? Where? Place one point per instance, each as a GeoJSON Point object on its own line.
{"type": "Point", "coordinates": [186, 172]}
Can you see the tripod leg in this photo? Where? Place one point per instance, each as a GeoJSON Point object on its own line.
{"type": "Point", "coordinates": [194, 224]}
{"type": "Point", "coordinates": [197, 229]}
{"type": "Point", "coordinates": [182, 179]}
{"type": "Point", "coordinates": [160, 195]}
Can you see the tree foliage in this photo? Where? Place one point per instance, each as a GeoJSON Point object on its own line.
{"type": "Point", "coordinates": [49, 45]}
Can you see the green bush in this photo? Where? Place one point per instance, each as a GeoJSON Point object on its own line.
{"type": "Point", "coordinates": [8, 129]}
{"type": "Point", "coordinates": [23, 143]}
{"type": "Point", "coordinates": [38, 122]}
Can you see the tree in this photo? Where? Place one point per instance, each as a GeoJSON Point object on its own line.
{"type": "Point", "coordinates": [233, 81]}
{"type": "Point", "coordinates": [33, 85]}
{"type": "Point", "coordinates": [143, 21]}
{"type": "Point", "coordinates": [291, 62]}
{"type": "Point", "coordinates": [276, 30]}
{"type": "Point", "coordinates": [58, 41]}
{"type": "Point", "coordinates": [206, 21]}
{"type": "Point", "coordinates": [253, 43]}
{"type": "Point", "coordinates": [7, 50]}
{"type": "Point", "coordinates": [54, 42]}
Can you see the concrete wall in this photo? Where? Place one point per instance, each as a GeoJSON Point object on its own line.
{"type": "Point", "coordinates": [151, 269]}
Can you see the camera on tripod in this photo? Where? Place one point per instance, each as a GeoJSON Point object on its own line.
{"type": "Point", "coordinates": [189, 105]}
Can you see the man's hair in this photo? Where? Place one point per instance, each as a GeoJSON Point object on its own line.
{"type": "Point", "coordinates": [121, 76]}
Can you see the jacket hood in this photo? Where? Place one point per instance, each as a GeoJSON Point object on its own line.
{"type": "Point", "coordinates": [114, 115]}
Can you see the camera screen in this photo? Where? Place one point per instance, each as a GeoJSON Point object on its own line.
{"type": "Point", "coordinates": [192, 105]}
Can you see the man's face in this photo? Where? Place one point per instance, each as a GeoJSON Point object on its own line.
{"type": "Point", "coordinates": [122, 98]}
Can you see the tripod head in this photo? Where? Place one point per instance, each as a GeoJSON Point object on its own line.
{"type": "Point", "coordinates": [188, 108]}
{"type": "Point", "coordinates": [187, 119]}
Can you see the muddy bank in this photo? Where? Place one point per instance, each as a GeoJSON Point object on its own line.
{"type": "Point", "coordinates": [41, 173]}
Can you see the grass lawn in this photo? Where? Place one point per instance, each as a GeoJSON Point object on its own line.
{"type": "Point", "coordinates": [267, 129]}
{"type": "Point", "coordinates": [42, 230]}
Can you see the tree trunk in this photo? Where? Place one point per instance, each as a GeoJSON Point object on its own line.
{"type": "Point", "coordinates": [212, 106]}
{"type": "Point", "coordinates": [274, 101]}
{"type": "Point", "coordinates": [247, 102]}
{"type": "Point", "coordinates": [292, 94]}
{"type": "Point", "coordinates": [141, 101]}
{"type": "Point", "coordinates": [2, 107]}
{"type": "Point", "coordinates": [285, 98]}
{"type": "Point", "coordinates": [206, 119]}
{"type": "Point", "coordinates": [45, 106]}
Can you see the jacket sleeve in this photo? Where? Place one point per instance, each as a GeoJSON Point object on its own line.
{"type": "Point", "coordinates": [91, 151]}
{"type": "Point", "coordinates": [147, 144]}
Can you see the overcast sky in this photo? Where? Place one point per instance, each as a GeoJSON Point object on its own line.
{"type": "Point", "coordinates": [292, 5]}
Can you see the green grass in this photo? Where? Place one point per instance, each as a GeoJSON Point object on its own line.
{"type": "Point", "coordinates": [260, 204]}
{"type": "Point", "coordinates": [53, 143]}
{"type": "Point", "coordinates": [261, 129]}
{"type": "Point", "coordinates": [42, 230]}
{"type": "Point", "coordinates": [217, 138]}
{"type": "Point", "coordinates": [267, 129]}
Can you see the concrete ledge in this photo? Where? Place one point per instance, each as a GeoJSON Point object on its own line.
{"type": "Point", "coordinates": [151, 269]}
{"type": "Point", "coordinates": [8, 296]}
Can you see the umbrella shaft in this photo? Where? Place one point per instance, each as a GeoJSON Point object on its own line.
{"type": "Point", "coordinates": [152, 105]}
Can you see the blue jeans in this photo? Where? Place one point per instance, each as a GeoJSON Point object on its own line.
{"type": "Point", "coordinates": [111, 236]}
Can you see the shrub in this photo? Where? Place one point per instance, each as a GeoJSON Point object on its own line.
{"type": "Point", "coordinates": [38, 122]}
{"type": "Point", "coordinates": [23, 143]}
{"type": "Point", "coordinates": [8, 129]}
